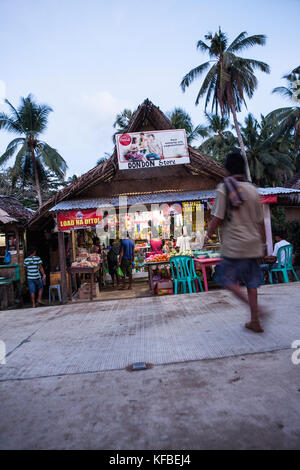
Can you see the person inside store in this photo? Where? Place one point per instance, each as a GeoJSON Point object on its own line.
{"type": "Point", "coordinates": [104, 237]}
{"type": "Point", "coordinates": [126, 259]}
{"type": "Point", "coordinates": [156, 245]}
{"type": "Point", "coordinates": [183, 242]}
{"type": "Point", "coordinates": [96, 245]}
{"type": "Point", "coordinates": [112, 261]}
{"type": "Point", "coordinates": [36, 276]}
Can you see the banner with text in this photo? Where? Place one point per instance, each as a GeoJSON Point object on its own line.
{"type": "Point", "coordinates": [75, 219]}
{"type": "Point", "coordinates": [150, 149]}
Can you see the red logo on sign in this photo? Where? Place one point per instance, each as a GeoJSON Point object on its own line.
{"type": "Point", "coordinates": [125, 139]}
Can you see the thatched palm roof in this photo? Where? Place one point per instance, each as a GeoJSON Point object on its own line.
{"type": "Point", "coordinates": [294, 182]}
{"type": "Point", "coordinates": [146, 117]}
{"type": "Point", "coordinates": [12, 210]}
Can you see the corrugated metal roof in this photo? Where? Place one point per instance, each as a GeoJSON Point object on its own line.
{"type": "Point", "coordinates": [155, 198]}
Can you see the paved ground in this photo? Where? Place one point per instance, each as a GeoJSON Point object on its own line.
{"type": "Point", "coordinates": [60, 387]}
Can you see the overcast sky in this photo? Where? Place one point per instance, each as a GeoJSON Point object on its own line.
{"type": "Point", "coordinates": [90, 59]}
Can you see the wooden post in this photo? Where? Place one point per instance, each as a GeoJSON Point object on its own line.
{"type": "Point", "coordinates": [268, 228]}
{"type": "Point", "coordinates": [63, 267]}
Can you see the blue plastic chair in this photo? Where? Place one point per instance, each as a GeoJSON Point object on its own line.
{"type": "Point", "coordinates": [52, 293]}
{"type": "Point", "coordinates": [184, 274]}
{"type": "Point", "coordinates": [179, 273]}
{"type": "Point", "coordinates": [286, 266]}
{"type": "Point", "coordinates": [192, 276]}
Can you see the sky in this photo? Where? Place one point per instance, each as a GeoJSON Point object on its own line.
{"type": "Point", "coordinates": [90, 59]}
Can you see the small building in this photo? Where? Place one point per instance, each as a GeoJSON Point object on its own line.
{"type": "Point", "coordinates": [13, 219]}
{"type": "Point", "coordinates": [68, 220]}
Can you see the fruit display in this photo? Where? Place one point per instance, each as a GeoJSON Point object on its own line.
{"type": "Point", "coordinates": [158, 258]}
{"type": "Point", "coordinates": [84, 264]}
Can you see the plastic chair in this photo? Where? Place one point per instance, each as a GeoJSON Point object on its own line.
{"type": "Point", "coordinates": [184, 274]}
{"type": "Point", "coordinates": [52, 293]}
{"type": "Point", "coordinates": [191, 272]}
{"type": "Point", "coordinates": [179, 273]}
{"type": "Point", "coordinates": [286, 266]}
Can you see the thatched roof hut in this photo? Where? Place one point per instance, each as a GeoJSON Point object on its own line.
{"type": "Point", "coordinates": [106, 180]}
{"type": "Point", "coordinates": [12, 210]}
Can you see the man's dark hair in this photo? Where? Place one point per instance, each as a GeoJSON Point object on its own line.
{"type": "Point", "coordinates": [280, 233]}
{"type": "Point", "coordinates": [235, 164]}
{"type": "Point", "coordinates": [31, 250]}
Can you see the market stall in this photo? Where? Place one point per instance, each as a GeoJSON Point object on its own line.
{"type": "Point", "coordinates": [152, 186]}
{"type": "Point", "coordinates": [13, 217]}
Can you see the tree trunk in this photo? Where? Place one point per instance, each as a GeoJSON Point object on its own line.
{"type": "Point", "coordinates": [239, 136]}
{"type": "Point", "coordinates": [36, 177]}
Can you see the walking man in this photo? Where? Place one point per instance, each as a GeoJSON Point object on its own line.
{"type": "Point", "coordinates": [238, 211]}
{"type": "Point", "coordinates": [35, 271]}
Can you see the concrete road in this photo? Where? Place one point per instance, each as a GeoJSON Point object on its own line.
{"type": "Point", "coordinates": [249, 400]}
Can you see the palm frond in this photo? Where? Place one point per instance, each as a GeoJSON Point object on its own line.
{"type": "Point", "coordinates": [9, 124]}
{"type": "Point", "coordinates": [201, 46]}
{"type": "Point", "coordinates": [52, 159]}
{"type": "Point", "coordinates": [208, 80]}
{"type": "Point", "coordinates": [246, 42]}
{"type": "Point", "coordinates": [194, 73]}
{"type": "Point", "coordinates": [10, 150]}
{"type": "Point", "coordinates": [283, 91]}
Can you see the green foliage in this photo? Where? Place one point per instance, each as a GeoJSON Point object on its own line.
{"type": "Point", "coordinates": [286, 121]}
{"type": "Point", "coordinates": [293, 236]}
{"type": "Point", "coordinates": [277, 217]}
{"type": "Point", "coordinates": [180, 119]}
{"type": "Point", "coordinates": [122, 122]}
{"type": "Point", "coordinates": [221, 141]}
{"type": "Point", "coordinates": [291, 229]}
{"type": "Point", "coordinates": [270, 160]}
{"type": "Point", "coordinates": [34, 158]}
{"type": "Point", "coordinates": [25, 190]}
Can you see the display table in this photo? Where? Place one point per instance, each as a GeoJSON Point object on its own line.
{"type": "Point", "coordinates": [150, 271]}
{"type": "Point", "coordinates": [91, 271]}
{"type": "Point", "coordinates": [203, 263]}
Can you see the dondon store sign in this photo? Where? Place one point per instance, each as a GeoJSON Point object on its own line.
{"type": "Point", "coordinates": [75, 219]}
{"type": "Point", "coordinates": [150, 149]}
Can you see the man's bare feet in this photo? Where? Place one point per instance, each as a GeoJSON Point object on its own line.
{"type": "Point", "coordinates": [40, 302]}
{"type": "Point", "coordinates": [254, 326]}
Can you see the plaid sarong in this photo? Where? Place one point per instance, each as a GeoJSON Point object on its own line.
{"type": "Point", "coordinates": [234, 191]}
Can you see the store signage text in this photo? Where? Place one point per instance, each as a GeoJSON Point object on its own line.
{"type": "Point", "coordinates": [76, 219]}
{"type": "Point", "coordinates": [152, 149]}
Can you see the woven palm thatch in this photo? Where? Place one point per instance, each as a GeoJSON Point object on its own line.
{"type": "Point", "coordinates": [12, 210]}
{"type": "Point", "coordinates": [147, 117]}
{"type": "Point", "coordinates": [294, 182]}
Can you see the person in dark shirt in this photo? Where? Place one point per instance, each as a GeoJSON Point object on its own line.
{"type": "Point", "coordinates": [126, 259]}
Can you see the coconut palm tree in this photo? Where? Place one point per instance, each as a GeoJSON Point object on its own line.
{"type": "Point", "coordinates": [180, 119]}
{"type": "Point", "coordinates": [221, 141]}
{"type": "Point", "coordinates": [33, 156]}
{"type": "Point", "coordinates": [229, 77]}
{"type": "Point", "coordinates": [121, 122]}
{"type": "Point", "coordinates": [287, 120]}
